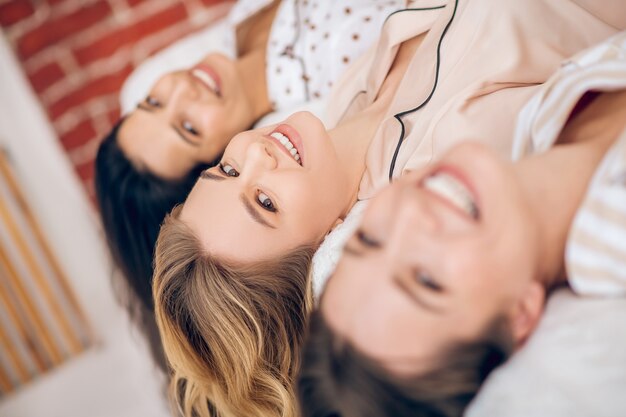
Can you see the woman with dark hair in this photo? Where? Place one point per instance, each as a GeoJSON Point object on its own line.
{"type": "Point", "coordinates": [449, 269]}
{"type": "Point", "coordinates": [132, 227]}
{"type": "Point", "coordinates": [338, 380]}
{"type": "Point", "coordinates": [285, 53]}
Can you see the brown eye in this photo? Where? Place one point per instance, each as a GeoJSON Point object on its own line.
{"type": "Point", "coordinates": [153, 102]}
{"type": "Point", "coordinates": [266, 202]}
{"type": "Point", "coordinates": [229, 170]}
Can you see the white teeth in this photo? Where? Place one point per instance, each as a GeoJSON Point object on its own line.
{"type": "Point", "coordinates": [452, 190]}
{"type": "Point", "coordinates": [281, 138]}
{"type": "Point", "coordinates": [205, 78]}
{"type": "Point", "coordinates": [284, 140]}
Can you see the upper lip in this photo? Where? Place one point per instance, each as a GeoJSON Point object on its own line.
{"type": "Point", "coordinates": [293, 136]}
{"type": "Point", "coordinates": [211, 73]}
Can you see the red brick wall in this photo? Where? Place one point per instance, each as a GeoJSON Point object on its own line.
{"type": "Point", "coordinates": [77, 54]}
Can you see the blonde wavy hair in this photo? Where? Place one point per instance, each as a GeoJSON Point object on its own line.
{"type": "Point", "coordinates": [231, 333]}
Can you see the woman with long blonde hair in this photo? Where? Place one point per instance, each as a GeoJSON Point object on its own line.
{"type": "Point", "coordinates": [201, 343]}
{"type": "Point", "coordinates": [231, 285]}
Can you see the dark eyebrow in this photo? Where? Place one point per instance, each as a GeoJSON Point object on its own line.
{"type": "Point", "coordinates": [208, 175]}
{"type": "Point", "coordinates": [364, 244]}
{"type": "Point", "coordinates": [256, 216]}
{"type": "Point", "coordinates": [143, 107]}
{"type": "Point", "coordinates": [399, 282]}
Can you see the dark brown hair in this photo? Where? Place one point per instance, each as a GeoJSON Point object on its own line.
{"type": "Point", "coordinates": [132, 204]}
{"type": "Point", "coordinates": [336, 380]}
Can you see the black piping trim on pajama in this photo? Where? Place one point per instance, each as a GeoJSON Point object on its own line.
{"type": "Point", "coordinates": [381, 29]}
{"type": "Point", "coordinates": [399, 116]}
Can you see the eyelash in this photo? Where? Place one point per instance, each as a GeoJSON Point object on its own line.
{"type": "Point", "coordinates": [271, 208]}
{"type": "Point", "coordinates": [227, 169]}
{"type": "Point", "coordinates": [226, 172]}
{"type": "Point", "coordinates": [152, 102]}
{"type": "Point", "coordinates": [425, 279]}
{"type": "Point", "coordinates": [189, 128]}
{"type": "Point", "coordinates": [366, 240]}
{"type": "Point", "coordinates": [186, 125]}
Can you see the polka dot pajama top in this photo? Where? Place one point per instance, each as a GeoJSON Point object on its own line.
{"type": "Point", "coordinates": [312, 42]}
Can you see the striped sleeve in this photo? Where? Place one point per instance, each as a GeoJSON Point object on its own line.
{"type": "Point", "coordinates": [600, 68]}
{"type": "Point", "coordinates": [596, 247]}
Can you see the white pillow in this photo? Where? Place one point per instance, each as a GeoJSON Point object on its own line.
{"type": "Point", "coordinates": [329, 252]}
{"type": "Point", "coordinates": [184, 54]}
{"type": "Point", "coordinates": [574, 365]}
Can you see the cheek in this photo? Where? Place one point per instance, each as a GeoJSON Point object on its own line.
{"type": "Point", "coordinates": [515, 245]}
{"type": "Point", "coordinates": [330, 182]}
{"type": "Point", "coordinates": [490, 276]}
{"type": "Point", "coordinates": [213, 120]}
{"type": "Point", "coordinates": [313, 212]}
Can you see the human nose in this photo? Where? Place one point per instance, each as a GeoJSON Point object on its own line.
{"type": "Point", "coordinates": [259, 158]}
{"type": "Point", "coordinates": [182, 91]}
{"type": "Point", "coordinates": [413, 217]}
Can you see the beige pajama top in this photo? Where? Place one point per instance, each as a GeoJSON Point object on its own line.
{"type": "Point", "coordinates": [479, 61]}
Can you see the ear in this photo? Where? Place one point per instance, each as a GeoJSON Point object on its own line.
{"type": "Point", "coordinates": [335, 224]}
{"type": "Point", "coordinates": [526, 312]}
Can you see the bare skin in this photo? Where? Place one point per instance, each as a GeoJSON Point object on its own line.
{"type": "Point", "coordinates": [308, 198]}
{"type": "Point", "coordinates": [420, 266]}
{"type": "Point", "coordinates": [184, 122]}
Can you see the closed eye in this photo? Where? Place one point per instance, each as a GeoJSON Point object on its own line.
{"type": "Point", "coordinates": [366, 240]}
{"type": "Point", "coordinates": [426, 280]}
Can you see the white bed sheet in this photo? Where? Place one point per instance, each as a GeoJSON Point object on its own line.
{"type": "Point", "coordinates": [574, 365]}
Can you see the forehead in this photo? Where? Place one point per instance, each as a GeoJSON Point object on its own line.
{"type": "Point", "coordinates": [150, 143]}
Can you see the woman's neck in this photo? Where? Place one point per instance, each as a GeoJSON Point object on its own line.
{"type": "Point", "coordinates": [251, 70]}
{"type": "Point", "coordinates": [254, 32]}
{"type": "Point", "coordinates": [252, 38]}
{"type": "Point", "coordinates": [556, 181]}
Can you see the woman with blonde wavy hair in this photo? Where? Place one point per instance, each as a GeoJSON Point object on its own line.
{"type": "Point", "coordinates": [231, 286]}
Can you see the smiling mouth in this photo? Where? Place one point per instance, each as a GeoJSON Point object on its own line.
{"type": "Point", "coordinates": [208, 77]}
{"type": "Point", "coordinates": [454, 191]}
{"type": "Point", "coordinates": [286, 143]}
